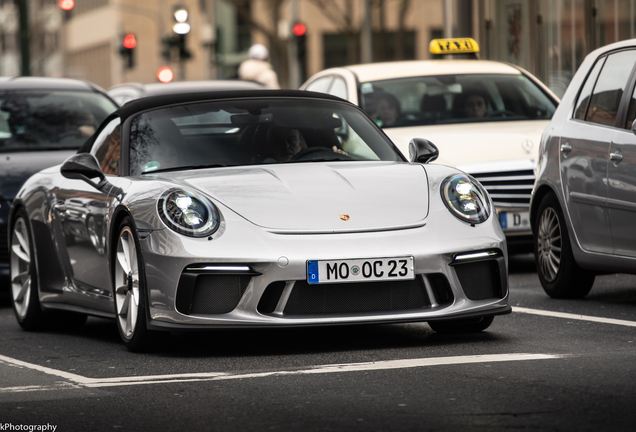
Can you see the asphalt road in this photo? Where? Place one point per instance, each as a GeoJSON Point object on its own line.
{"type": "Point", "coordinates": [550, 365]}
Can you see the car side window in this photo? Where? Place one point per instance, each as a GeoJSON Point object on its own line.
{"type": "Point", "coordinates": [107, 146]}
{"type": "Point", "coordinates": [631, 114]}
{"type": "Point", "coordinates": [339, 88]}
{"type": "Point", "coordinates": [610, 87]}
{"type": "Point", "coordinates": [320, 85]}
{"type": "Point", "coordinates": [586, 92]}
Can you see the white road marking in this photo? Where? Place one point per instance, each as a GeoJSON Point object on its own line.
{"type": "Point", "coordinates": [574, 316]}
{"type": "Point", "coordinates": [214, 376]}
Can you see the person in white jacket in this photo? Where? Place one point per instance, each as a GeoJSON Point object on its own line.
{"type": "Point", "coordinates": [257, 68]}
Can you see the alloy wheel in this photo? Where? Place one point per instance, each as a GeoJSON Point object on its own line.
{"type": "Point", "coordinates": [127, 294]}
{"type": "Point", "coordinates": [549, 244]}
{"type": "Point", "coordinates": [20, 268]}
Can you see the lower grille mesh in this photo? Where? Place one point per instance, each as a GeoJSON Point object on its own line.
{"type": "Point", "coordinates": [217, 294]}
{"type": "Point", "coordinates": [480, 280]}
{"type": "Point", "coordinates": [362, 297]}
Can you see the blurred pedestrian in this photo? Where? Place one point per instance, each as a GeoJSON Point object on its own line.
{"type": "Point", "coordinates": [257, 67]}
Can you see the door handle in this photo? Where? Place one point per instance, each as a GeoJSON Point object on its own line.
{"type": "Point", "coordinates": [566, 147]}
{"type": "Point", "coordinates": [616, 156]}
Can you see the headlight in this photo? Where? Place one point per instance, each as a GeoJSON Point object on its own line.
{"type": "Point", "coordinates": [188, 213]}
{"type": "Point", "coordinates": [466, 199]}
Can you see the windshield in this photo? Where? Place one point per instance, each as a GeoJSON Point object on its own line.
{"type": "Point", "coordinates": [444, 99]}
{"type": "Point", "coordinates": [42, 119]}
{"type": "Point", "coordinates": [253, 132]}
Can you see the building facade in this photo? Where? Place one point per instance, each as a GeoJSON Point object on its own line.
{"type": "Point", "coordinates": [549, 38]}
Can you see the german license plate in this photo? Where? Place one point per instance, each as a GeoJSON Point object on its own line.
{"type": "Point", "coordinates": [360, 270]}
{"type": "Point", "coordinates": [514, 221]}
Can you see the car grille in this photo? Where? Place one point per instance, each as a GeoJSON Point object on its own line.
{"type": "Point", "coordinates": [361, 297]}
{"type": "Point", "coordinates": [508, 189]}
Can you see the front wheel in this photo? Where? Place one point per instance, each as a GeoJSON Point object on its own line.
{"type": "Point", "coordinates": [24, 277]}
{"type": "Point", "coordinates": [130, 290]}
{"type": "Point", "coordinates": [466, 325]}
{"type": "Point", "coordinates": [560, 275]}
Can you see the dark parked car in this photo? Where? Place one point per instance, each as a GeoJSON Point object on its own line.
{"type": "Point", "coordinates": [43, 121]}
{"type": "Point", "coordinates": [583, 207]}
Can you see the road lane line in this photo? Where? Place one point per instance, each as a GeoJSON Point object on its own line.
{"type": "Point", "coordinates": [66, 375]}
{"type": "Point", "coordinates": [33, 388]}
{"type": "Point", "coordinates": [214, 376]}
{"type": "Point", "coordinates": [574, 316]}
{"type": "Point", "coordinates": [352, 367]}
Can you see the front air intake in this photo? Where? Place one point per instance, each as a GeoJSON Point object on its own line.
{"type": "Point", "coordinates": [210, 294]}
{"type": "Point", "coordinates": [480, 280]}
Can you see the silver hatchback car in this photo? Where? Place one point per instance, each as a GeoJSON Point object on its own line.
{"type": "Point", "coordinates": [583, 208]}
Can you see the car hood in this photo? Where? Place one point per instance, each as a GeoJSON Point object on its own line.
{"type": "Point", "coordinates": [467, 143]}
{"type": "Point", "coordinates": [316, 197]}
{"type": "Point", "coordinates": [17, 167]}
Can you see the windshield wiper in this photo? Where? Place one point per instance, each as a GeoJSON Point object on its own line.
{"type": "Point", "coordinates": [190, 167]}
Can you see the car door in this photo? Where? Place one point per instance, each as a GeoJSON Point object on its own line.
{"type": "Point", "coordinates": [584, 150]}
{"type": "Point", "coordinates": [83, 209]}
{"type": "Point", "coordinates": [621, 173]}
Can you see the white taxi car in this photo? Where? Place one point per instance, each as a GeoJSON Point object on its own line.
{"type": "Point", "coordinates": [486, 118]}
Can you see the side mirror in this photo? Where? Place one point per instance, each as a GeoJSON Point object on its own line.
{"type": "Point", "coordinates": [422, 150]}
{"type": "Point", "coordinates": [83, 166]}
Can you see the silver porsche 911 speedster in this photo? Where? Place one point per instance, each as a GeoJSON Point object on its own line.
{"type": "Point", "coordinates": [253, 208]}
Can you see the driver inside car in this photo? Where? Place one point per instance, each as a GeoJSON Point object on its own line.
{"type": "Point", "coordinates": [285, 143]}
{"type": "Point", "coordinates": [475, 106]}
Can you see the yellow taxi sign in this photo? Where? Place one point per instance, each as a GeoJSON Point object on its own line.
{"type": "Point", "coordinates": [453, 46]}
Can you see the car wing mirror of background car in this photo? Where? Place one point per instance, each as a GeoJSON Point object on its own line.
{"type": "Point", "coordinates": [84, 166]}
{"type": "Point", "coordinates": [422, 150]}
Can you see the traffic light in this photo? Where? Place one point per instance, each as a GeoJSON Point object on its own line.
{"type": "Point", "coordinates": [165, 74]}
{"type": "Point", "coordinates": [299, 30]}
{"type": "Point", "coordinates": [127, 50]}
{"type": "Point", "coordinates": [66, 5]}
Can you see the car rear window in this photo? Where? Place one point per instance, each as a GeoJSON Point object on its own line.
{"type": "Point", "coordinates": [42, 119]}
{"type": "Point", "coordinates": [445, 99]}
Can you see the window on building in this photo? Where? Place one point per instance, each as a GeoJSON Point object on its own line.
{"type": "Point", "coordinates": [341, 49]}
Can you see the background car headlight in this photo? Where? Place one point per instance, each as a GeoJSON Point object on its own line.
{"type": "Point", "coordinates": [466, 199]}
{"type": "Point", "coordinates": [188, 213]}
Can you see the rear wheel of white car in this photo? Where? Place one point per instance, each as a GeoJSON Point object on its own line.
{"type": "Point", "coordinates": [560, 275]}
{"type": "Point", "coordinates": [24, 280]}
{"type": "Point", "coordinates": [130, 289]}
{"type": "Point", "coordinates": [467, 325]}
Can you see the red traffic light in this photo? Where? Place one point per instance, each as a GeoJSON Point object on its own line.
{"type": "Point", "coordinates": [129, 41]}
{"type": "Point", "coordinates": [66, 5]}
{"type": "Point", "coordinates": [299, 29]}
{"type": "Point", "coordinates": [165, 74]}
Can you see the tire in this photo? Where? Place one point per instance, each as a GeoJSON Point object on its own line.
{"type": "Point", "coordinates": [24, 276]}
{"type": "Point", "coordinates": [468, 325]}
{"type": "Point", "coordinates": [560, 275]}
{"type": "Point", "coordinates": [130, 289]}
